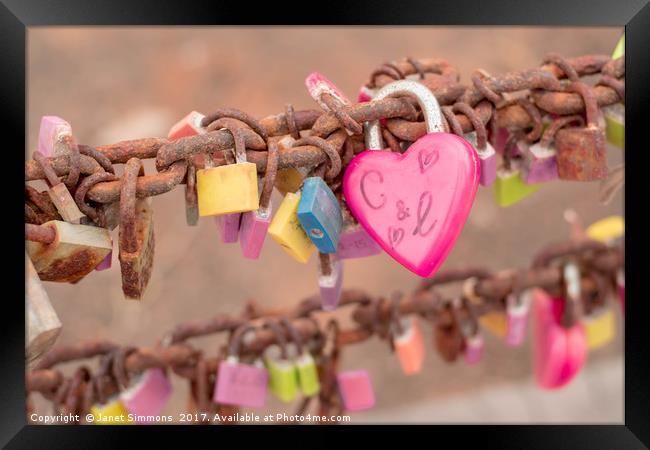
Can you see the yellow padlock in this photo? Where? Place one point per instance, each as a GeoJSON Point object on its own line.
{"type": "Point", "coordinates": [599, 329]}
{"type": "Point", "coordinates": [286, 230]}
{"type": "Point", "coordinates": [607, 229]}
{"type": "Point", "coordinates": [495, 323]}
{"type": "Point", "coordinates": [228, 189]}
{"type": "Point", "coordinates": [112, 412]}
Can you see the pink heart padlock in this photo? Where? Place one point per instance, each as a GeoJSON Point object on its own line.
{"type": "Point", "coordinates": [317, 85]}
{"type": "Point", "coordinates": [414, 204]}
{"type": "Point", "coordinates": [559, 353]}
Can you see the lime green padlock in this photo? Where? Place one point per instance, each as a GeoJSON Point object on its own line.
{"type": "Point", "coordinates": [305, 364]}
{"type": "Point", "coordinates": [283, 374]}
{"type": "Point", "coordinates": [510, 188]}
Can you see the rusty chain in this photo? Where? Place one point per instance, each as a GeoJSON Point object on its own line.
{"type": "Point", "coordinates": [541, 91]}
{"type": "Point", "coordinates": [371, 315]}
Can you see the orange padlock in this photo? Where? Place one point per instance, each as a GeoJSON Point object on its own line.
{"type": "Point", "coordinates": [408, 340]}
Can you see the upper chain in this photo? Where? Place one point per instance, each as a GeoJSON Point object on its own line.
{"type": "Point", "coordinates": [490, 97]}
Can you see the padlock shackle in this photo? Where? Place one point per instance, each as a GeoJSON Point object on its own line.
{"type": "Point", "coordinates": [128, 202]}
{"type": "Point", "coordinates": [556, 125]}
{"type": "Point", "coordinates": [269, 174]}
{"type": "Point", "coordinates": [230, 124]}
{"type": "Point", "coordinates": [295, 335]}
{"type": "Point", "coordinates": [425, 98]}
{"type": "Point", "coordinates": [594, 115]}
{"type": "Point", "coordinates": [572, 294]}
{"type": "Point", "coordinates": [281, 340]}
{"type": "Point", "coordinates": [475, 120]}
{"type": "Point", "coordinates": [328, 148]}
{"type": "Point", "coordinates": [235, 341]}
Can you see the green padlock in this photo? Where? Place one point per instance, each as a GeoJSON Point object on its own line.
{"type": "Point", "coordinates": [305, 363]}
{"type": "Point", "coordinates": [509, 188]}
{"type": "Point", "coordinates": [283, 375]}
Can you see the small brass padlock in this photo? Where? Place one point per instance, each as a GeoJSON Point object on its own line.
{"type": "Point", "coordinates": [136, 235]}
{"type": "Point", "coordinates": [73, 252]}
{"type": "Point", "coordinates": [581, 152]}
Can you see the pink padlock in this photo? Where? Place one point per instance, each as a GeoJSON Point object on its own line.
{"type": "Point", "coordinates": [501, 137]}
{"type": "Point", "coordinates": [330, 280]}
{"type": "Point", "coordinates": [560, 346]}
{"type": "Point", "coordinates": [317, 85]}
{"type": "Point", "coordinates": [189, 125]}
{"type": "Point", "coordinates": [366, 94]}
{"type": "Point", "coordinates": [255, 224]}
{"type": "Point", "coordinates": [474, 349]}
{"type": "Point", "coordinates": [356, 390]}
{"type": "Point", "coordinates": [228, 227]}
{"type": "Point", "coordinates": [517, 307]}
{"type": "Point", "coordinates": [620, 282]}
{"type": "Point", "coordinates": [148, 396]}
{"type": "Point", "coordinates": [240, 384]}
{"type": "Point", "coordinates": [52, 136]}
{"type": "Point", "coordinates": [415, 204]}
{"type": "Point", "coordinates": [354, 241]}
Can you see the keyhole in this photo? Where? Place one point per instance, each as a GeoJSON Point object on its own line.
{"type": "Point", "coordinates": [315, 232]}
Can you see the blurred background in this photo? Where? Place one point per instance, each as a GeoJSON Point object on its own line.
{"type": "Point", "coordinates": [122, 83]}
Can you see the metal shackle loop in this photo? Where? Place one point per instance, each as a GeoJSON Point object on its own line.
{"type": "Point", "coordinates": [427, 101]}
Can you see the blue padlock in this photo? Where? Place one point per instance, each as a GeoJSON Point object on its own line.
{"type": "Point", "coordinates": [320, 215]}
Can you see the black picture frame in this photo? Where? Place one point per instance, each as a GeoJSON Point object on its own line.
{"type": "Point", "coordinates": [16, 15]}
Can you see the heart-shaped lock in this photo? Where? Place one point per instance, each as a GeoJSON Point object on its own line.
{"type": "Point", "coordinates": [414, 204]}
{"type": "Point", "coordinates": [559, 351]}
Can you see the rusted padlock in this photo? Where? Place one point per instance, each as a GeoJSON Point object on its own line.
{"type": "Point", "coordinates": [66, 252]}
{"type": "Point", "coordinates": [58, 192]}
{"type": "Point", "coordinates": [581, 152]}
{"type": "Point", "coordinates": [447, 335]}
{"type": "Point", "coordinates": [136, 234]}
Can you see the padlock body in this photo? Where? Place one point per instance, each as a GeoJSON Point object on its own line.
{"type": "Point", "coordinates": [75, 252]}
{"type": "Point", "coordinates": [330, 285]}
{"type": "Point", "coordinates": [307, 375]}
{"type": "Point", "coordinates": [241, 385]}
{"type": "Point", "coordinates": [136, 266]}
{"type": "Point", "coordinates": [65, 204]}
{"type": "Point", "coordinates": [228, 227]}
{"type": "Point", "coordinates": [283, 378]}
{"type": "Point", "coordinates": [509, 188]}
{"type": "Point", "coordinates": [227, 189]}
{"type": "Point", "coordinates": [581, 154]}
{"type": "Point", "coordinates": [600, 329]}
{"type": "Point", "coordinates": [43, 324]}
{"type": "Point", "coordinates": [286, 230]}
{"type": "Point", "coordinates": [495, 323]}
{"type": "Point", "coordinates": [356, 390]}
{"type": "Point", "coordinates": [615, 124]}
{"type": "Point", "coordinates": [540, 164]}
{"type": "Point", "coordinates": [355, 242]}
{"type": "Point", "coordinates": [111, 413]}
{"type": "Point", "coordinates": [606, 230]}
{"type": "Point", "coordinates": [106, 263]}
{"type": "Point", "coordinates": [254, 226]}
{"type": "Point", "coordinates": [409, 347]}
{"type": "Point", "coordinates": [189, 125]}
{"type": "Point", "coordinates": [148, 396]}
{"type": "Point", "coordinates": [487, 159]}
{"type": "Point", "coordinates": [288, 180]}
{"type": "Point", "coordinates": [474, 349]}
{"type": "Point", "coordinates": [52, 129]}
{"type": "Point", "coordinates": [320, 214]}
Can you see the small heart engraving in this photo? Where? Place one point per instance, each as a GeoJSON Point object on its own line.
{"type": "Point", "coordinates": [427, 158]}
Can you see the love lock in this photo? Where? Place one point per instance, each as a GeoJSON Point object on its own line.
{"type": "Point", "coordinates": [305, 364]}
{"type": "Point", "coordinates": [283, 375]}
{"type": "Point", "coordinates": [581, 151]}
{"type": "Point", "coordinates": [136, 235]}
{"type": "Point", "coordinates": [286, 230]}
{"type": "Point", "coordinates": [408, 340]}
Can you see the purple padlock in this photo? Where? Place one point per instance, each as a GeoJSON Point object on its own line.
{"type": "Point", "coordinates": [228, 227]}
{"type": "Point", "coordinates": [106, 263]}
{"type": "Point", "coordinates": [148, 396]}
{"type": "Point", "coordinates": [517, 307]}
{"type": "Point", "coordinates": [255, 224]}
{"type": "Point", "coordinates": [330, 281]}
{"type": "Point", "coordinates": [356, 390]}
{"type": "Point", "coordinates": [240, 384]}
{"type": "Point", "coordinates": [474, 349]}
{"type": "Point", "coordinates": [355, 242]}
{"type": "Point", "coordinates": [51, 136]}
